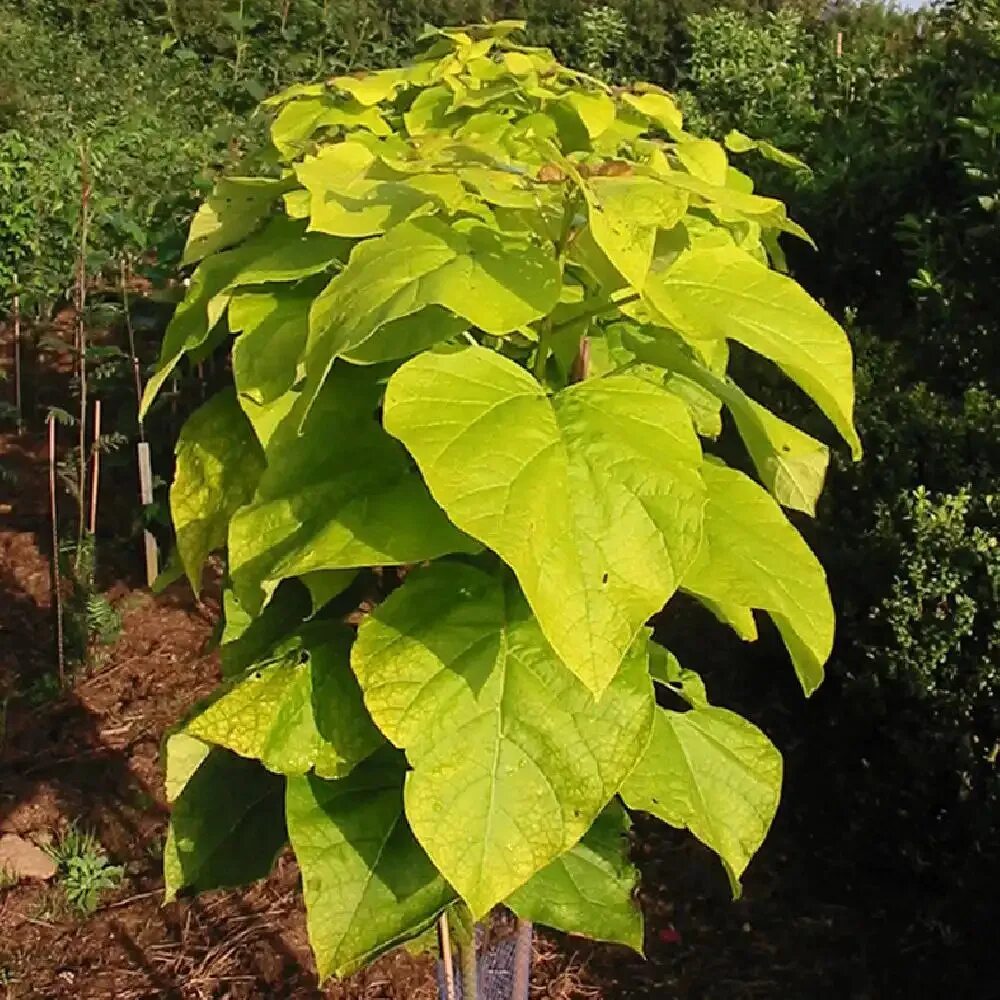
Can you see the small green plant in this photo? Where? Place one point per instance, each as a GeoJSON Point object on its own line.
{"type": "Point", "coordinates": [84, 870]}
{"type": "Point", "coordinates": [482, 313]}
{"type": "Point", "coordinates": [43, 690]}
{"type": "Point", "coordinates": [7, 878]}
{"type": "Point", "coordinates": [104, 622]}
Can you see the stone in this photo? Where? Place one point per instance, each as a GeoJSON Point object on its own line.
{"type": "Point", "coordinates": [21, 859]}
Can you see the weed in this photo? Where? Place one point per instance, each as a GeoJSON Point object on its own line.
{"type": "Point", "coordinates": [42, 690]}
{"type": "Point", "coordinates": [104, 623]}
{"type": "Point", "coordinates": [7, 878]}
{"type": "Point", "coordinates": [84, 870]}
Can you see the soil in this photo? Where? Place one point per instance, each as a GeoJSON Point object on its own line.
{"type": "Point", "coordinates": [813, 922]}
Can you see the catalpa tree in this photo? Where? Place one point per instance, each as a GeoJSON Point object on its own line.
{"type": "Point", "coordinates": [481, 310]}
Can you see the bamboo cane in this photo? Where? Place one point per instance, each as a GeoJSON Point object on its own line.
{"type": "Point", "coordinates": [97, 466]}
{"type": "Point", "coordinates": [17, 353]}
{"type": "Point", "coordinates": [56, 584]}
{"type": "Point", "coordinates": [444, 944]}
{"type": "Point", "coordinates": [81, 337]}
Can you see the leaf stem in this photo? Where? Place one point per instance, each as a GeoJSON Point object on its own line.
{"type": "Point", "coordinates": [542, 351]}
{"type": "Point", "coordinates": [599, 310]}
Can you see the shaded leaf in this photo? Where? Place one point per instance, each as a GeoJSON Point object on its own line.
{"type": "Point", "coordinates": [218, 465]}
{"type": "Point", "coordinates": [341, 495]}
{"type": "Point", "coordinates": [590, 889]}
{"type": "Point", "coordinates": [226, 828]}
{"type": "Point", "coordinates": [368, 886]}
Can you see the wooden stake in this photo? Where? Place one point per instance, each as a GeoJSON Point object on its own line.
{"type": "Point", "coordinates": [444, 944]}
{"type": "Point", "coordinates": [146, 498]}
{"type": "Point", "coordinates": [17, 353]}
{"type": "Point", "coordinates": [97, 466]}
{"type": "Point", "coordinates": [522, 961]}
{"type": "Point", "coordinates": [81, 333]}
{"type": "Point", "coordinates": [56, 583]}
{"type": "Point", "coordinates": [840, 44]}
{"type": "Point", "coordinates": [136, 375]}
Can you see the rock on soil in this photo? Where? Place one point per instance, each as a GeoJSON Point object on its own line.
{"type": "Point", "coordinates": [21, 859]}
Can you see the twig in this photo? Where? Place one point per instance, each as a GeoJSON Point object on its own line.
{"type": "Point", "coordinates": [581, 363]}
{"type": "Point", "coordinates": [97, 467]}
{"type": "Point", "coordinates": [444, 943]}
{"type": "Point", "coordinates": [81, 334]}
{"type": "Point", "coordinates": [56, 588]}
{"type": "Point", "coordinates": [131, 899]}
{"type": "Point", "coordinates": [35, 920]}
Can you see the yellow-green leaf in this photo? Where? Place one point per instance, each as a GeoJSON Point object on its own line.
{"type": "Point", "coordinates": [711, 772]}
{"type": "Point", "coordinates": [219, 463]}
{"type": "Point", "coordinates": [456, 672]}
{"type": "Point", "coordinates": [752, 557]}
{"type": "Point", "coordinates": [593, 497]}
{"type": "Point", "coordinates": [722, 292]}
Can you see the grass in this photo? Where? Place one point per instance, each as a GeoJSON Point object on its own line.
{"type": "Point", "coordinates": [85, 872]}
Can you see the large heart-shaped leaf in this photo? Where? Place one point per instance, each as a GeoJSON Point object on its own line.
{"type": "Point", "coordinates": [710, 771]}
{"type": "Point", "coordinates": [341, 495]}
{"type": "Point", "coordinates": [590, 889]}
{"type": "Point", "coordinates": [752, 557]}
{"type": "Point", "coordinates": [512, 757]}
{"type": "Point", "coordinates": [219, 463]}
{"type": "Point", "coordinates": [368, 886]}
{"type": "Point", "coordinates": [593, 497]}
{"type": "Point", "coordinates": [723, 292]}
